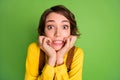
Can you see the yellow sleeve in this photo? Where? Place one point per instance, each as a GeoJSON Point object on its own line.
{"type": "Point", "coordinates": [61, 72]}
{"type": "Point", "coordinates": [47, 73]}
{"type": "Point", "coordinates": [32, 65]}
{"type": "Point", "coordinates": [76, 68]}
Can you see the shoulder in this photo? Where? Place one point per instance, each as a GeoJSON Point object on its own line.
{"type": "Point", "coordinates": [78, 51]}
{"type": "Point", "coordinates": [33, 45]}
{"type": "Point", "coordinates": [33, 49]}
{"type": "Point", "coordinates": [77, 61]}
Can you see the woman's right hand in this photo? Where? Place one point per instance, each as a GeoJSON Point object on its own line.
{"type": "Point", "coordinates": [44, 44]}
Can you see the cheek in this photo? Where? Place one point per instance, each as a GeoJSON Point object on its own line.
{"type": "Point", "coordinates": [66, 33]}
{"type": "Point", "coordinates": [48, 33]}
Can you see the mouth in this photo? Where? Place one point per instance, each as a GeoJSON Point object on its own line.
{"type": "Point", "coordinates": [58, 42]}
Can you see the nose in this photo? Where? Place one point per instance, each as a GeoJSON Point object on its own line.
{"type": "Point", "coordinates": [57, 32]}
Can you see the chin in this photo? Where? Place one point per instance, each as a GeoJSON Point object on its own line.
{"type": "Point", "coordinates": [57, 48]}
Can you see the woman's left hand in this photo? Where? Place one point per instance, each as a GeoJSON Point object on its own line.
{"type": "Point", "coordinates": [68, 45]}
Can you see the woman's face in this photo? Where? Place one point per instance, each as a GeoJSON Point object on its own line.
{"type": "Point", "coordinates": [57, 28]}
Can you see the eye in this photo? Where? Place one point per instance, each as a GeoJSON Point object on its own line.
{"type": "Point", "coordinates": [50, 27]}
{"type": "Point", "coordinates": [65, 27]}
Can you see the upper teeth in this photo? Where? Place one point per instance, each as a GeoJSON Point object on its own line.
{"type": "Point", "coordinates": [57, 41]}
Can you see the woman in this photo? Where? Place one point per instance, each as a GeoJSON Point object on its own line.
{"type": "Point", "coordinates": [57, 35]}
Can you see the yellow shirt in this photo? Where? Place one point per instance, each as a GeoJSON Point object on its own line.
{"type": "Point", "coordinates": [49, 72]}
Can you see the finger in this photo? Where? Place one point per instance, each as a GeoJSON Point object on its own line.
{"type": "Point", "coordinates": [67, 43]}
{"type": "Point", "coordinates": [47, 48]}
{"type": "Point", "coordinates": [41, 39]}
{"type": "Point", "coordinates": [72, 40]}
{"type": "Point", "coordinates": [44, 44]}
{"type": "Point", "coordinates": [47, 41]}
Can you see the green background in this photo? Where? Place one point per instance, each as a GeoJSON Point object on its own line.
{"type": "Point", "coordinates": [98, 22]}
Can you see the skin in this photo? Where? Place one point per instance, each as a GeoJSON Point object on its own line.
{"type": "Point", "coordinates": [57, 39]}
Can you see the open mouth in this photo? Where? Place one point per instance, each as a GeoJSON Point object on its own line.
{"type": "Point", "coordinates": [58, 42]}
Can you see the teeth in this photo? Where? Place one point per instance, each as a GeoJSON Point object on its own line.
{"type": "Point", "coordinates": [57, 41]}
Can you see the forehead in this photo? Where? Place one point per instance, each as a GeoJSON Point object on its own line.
{"type": "Point", "coordinates": [56, 17]}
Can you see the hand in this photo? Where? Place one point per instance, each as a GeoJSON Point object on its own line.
{"type": "Point", "coordinates": [45, 43]}
{"type": "Point", "coordinates": [68, 45]}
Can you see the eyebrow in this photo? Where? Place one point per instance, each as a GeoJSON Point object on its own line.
{"type": "Point", "coordinates": [50, 21]}
{"type": "Point", "coordinates": [54, 21]}
{"type": "Point", "coordinates": [65, 21]}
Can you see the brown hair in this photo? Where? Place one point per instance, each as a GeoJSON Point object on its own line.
{"type": "Point", "coordinates": [63, 11]}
